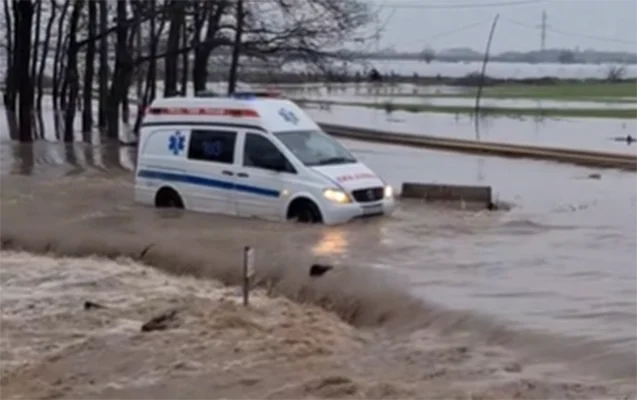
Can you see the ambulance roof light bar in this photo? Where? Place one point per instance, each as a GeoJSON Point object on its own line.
{"type": "Point", "coordinates": [254, 95]}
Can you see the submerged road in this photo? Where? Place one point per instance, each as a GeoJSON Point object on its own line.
{"type": "Point", "coordinates": [562, 261]}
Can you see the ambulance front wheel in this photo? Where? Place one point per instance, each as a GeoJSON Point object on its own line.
{"type": "Point", "coordinates": [305, 211]}
{"type": "Point", "coordinates": [168, 198]}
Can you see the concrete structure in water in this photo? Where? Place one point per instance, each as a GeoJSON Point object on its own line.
{"type": "Point", "coordinates": [443, 192]}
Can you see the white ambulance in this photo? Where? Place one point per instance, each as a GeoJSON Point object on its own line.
{"type": "Point", "coordinates": [251, 155]}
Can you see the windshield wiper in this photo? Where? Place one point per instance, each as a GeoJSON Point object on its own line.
{"type": "Point", "coordinates": [336, 160]}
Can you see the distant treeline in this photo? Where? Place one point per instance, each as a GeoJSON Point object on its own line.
{"type": "Point", "coordinates": [469, 80]}
{"type": "Point", "coordinates": [561, 56]}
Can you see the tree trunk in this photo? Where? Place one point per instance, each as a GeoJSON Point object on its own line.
{"type": "Point", "coordinates": [170, 62]}
{"type": "Point", "coordinates": [103, 65]}
{"type": "Point", "coordinates": [236, 49]}
{"type": "Point", "coordinates": [24, 19]}
{"type": "Point", "coordinates": [72, 76]}
{"type": "Point", "coordinates": [185, 69]}
{"type": "Point", "coordinates": [57, 70]}
{"type": "Point", "coordinates": [34, 61]}
{"type": "Point", "coordinates": [152, 63]}
{"type": "Point", "coordinates": [87, 109]}
{"type": "Point", "coordinates": [202, 52]}
{"type": "Point", "coordinates": [42, 68]}
{"type": "Point", "coordinates": [119, 81]}
{"type": "Point", "coordinates": [10, 90]}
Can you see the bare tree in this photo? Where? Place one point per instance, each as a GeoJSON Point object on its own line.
{"type": "Point", "coordinates": [24, 22]}
{"type": "Point", "coordinates": [34, 57]}
{"type": "Point", "coordinates": [213, 11]}
{"type": "Point", "coordinates": [236, 49]}
{"type": "Point", "coordinates": [58, 68]}
{"type": "Point", "coordinates": [10, 93]}
{"type": "Point", "coordinates": [89, 72]}
{"type": "Point", "coordinates": [103, 64]}
{"type": "Point", "coordinates": [72, 77]}
{"type": "Point", "coordinates": [302, 30]}
{"type": "Point", "coordinates": [173, 44]}
{"type": "Point", "coordinates": [126, 39]}
{"type": "Point", "coordinates": [43, 63]}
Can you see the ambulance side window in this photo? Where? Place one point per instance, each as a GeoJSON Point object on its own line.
{"type": "Point", "coordinates": [213, 146]}
{"type": "Point", "coordinates": [259, 152]}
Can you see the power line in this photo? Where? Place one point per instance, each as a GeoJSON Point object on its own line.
{"type": "Point", "coordinates": [450, 32]}
{"type": "Point", "coordinates": [457, 30]}
{"type": "Point", "coordinates": [572, 34]}
{"type": "Point", "coordinates": [424, 6]}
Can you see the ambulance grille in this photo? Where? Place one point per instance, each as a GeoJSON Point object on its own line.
{"type": "Point", "coordinates": [368, 195]}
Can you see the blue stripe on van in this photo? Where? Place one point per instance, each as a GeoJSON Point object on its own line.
{"type": "Point", "coordinates": [207, 182]}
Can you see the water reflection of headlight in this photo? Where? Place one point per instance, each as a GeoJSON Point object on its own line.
{"type": "Point", "coordinates": [332, 242]}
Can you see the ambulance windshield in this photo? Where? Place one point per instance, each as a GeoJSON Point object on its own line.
{"type": "Point", "coordinates": [315, 148]}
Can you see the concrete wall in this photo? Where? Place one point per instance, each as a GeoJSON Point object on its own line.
{"type": "Point", "coordinates": [443, 192]}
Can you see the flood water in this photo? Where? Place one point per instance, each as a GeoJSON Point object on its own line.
{"type": "Point", "coordinates": [597, 134]}
{"type": "Point", "coordinates": [407, 93]}
{"type": "Point", "coordinates": [562, 260]}
{"type": "Point", "coordinates": [470, 102]}
{"type": "Point", "coordinates": [495, 69]}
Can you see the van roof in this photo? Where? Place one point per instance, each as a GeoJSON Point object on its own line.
{"type": "Point", "coordinates": [271, 114]}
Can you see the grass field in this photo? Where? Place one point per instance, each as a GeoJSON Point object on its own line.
{"type": "Point", "coordinates": [579, 91]}
{"type": "Point", "coordinates": [504, 111]}
{"type": "Point", "coordinates": [624, 92]}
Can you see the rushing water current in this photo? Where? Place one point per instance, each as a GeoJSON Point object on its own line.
{"type": "Point", "coordinates": [561, 261]}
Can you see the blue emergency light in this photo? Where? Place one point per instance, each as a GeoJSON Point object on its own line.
{"type": "Point", "coordinates": [254, 95]}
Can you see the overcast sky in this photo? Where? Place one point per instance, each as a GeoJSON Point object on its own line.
{"type": "Point", "coordinates": [600, 24]}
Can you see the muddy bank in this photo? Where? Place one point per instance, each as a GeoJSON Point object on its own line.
{"type": "Point", "coordinates": [55, 346]}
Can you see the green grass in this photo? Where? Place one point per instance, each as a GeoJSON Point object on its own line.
{"type": "Point", "coordinates": [564, 91]}
{"type": "Point", "coordinates": [593, 91]}
{"type": "Point", "coordinates": [504, 111]}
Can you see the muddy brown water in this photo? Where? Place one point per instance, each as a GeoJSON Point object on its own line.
{"type": "Point", "coordinates": [554, 276]}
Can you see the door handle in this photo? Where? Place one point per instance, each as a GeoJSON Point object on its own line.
{"type": "Point", "coordinates": [242, 175]}
{"type": "Point", "coordinates": [226, 172]}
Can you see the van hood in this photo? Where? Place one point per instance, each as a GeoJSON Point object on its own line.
{"type": "Point", "coordinates": [350, 176]}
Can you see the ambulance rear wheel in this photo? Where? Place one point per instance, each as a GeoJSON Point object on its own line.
{"type": "Point", "coordinates": [305, 211]}
{"type": "Point", "coordinates": [168, 198]}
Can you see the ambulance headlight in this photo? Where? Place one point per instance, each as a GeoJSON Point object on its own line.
{"type": "Point", "coordinates": [389, 192]}
{"type": "Point", "coordinates": [337, 196]}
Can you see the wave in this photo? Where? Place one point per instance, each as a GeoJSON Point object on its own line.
{"type": "Point", "coordinates": [363, 297]}
{"type": "Point", "coordinates": [359, 296]}
{"type": "Point", "coordinates": [93, 215]}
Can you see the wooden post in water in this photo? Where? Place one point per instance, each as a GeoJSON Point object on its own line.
{"type": "Point", "coordinates": [248, 273]}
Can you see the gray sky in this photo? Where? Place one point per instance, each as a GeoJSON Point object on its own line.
{"type": "Point", "coordinates": [600, 24]}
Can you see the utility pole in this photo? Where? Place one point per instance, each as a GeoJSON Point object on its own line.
{"type": "Point", "coordinates": [543, 27]}
{"type": "Point", "coordinates": [377, 42]}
